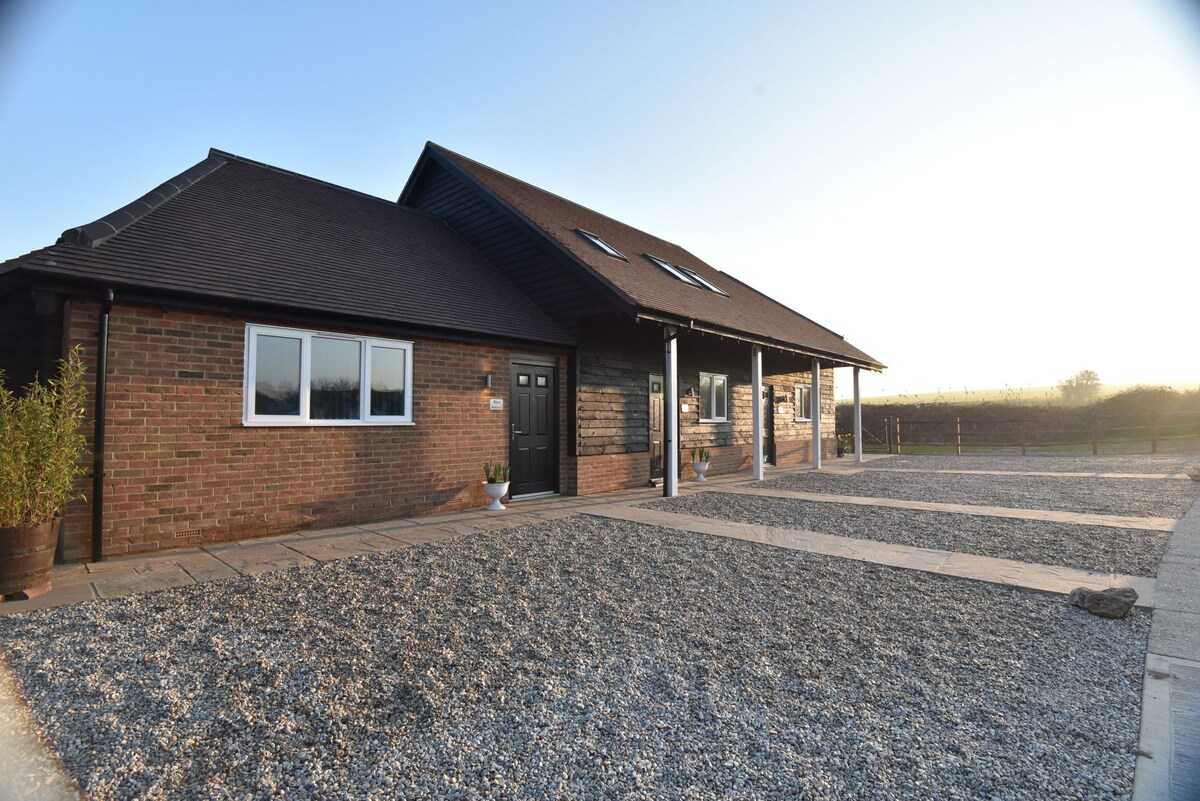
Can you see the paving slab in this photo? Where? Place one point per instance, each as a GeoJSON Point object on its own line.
{"type": "Point", "coordinates": [1035, 473]}
{"type": "Point", "coordinates": [340, 546]}
{"type": "Point", "coordinates": [60, 595]}
{"type": "Point", "coordinates": [147, 579]}
{"type": "Point", "coordinates": [251, 560]}
{"type": "Point", "coordinates": [206, 567]}
{"type": "Point", "coordinates": [1111, 521]}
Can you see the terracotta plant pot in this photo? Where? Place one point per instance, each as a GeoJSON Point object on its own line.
{"type": "Point", "coordinates": [26, 556]}
{"type": "Point", "coordinates": [495, 492]}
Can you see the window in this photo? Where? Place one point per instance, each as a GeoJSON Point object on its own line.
{"type": "Point", "coordinates": [803, 402]}
{"type": "Point", "coordinates": [310, 378]}
{"type": "Point", "coordinates": [714, 398]}
{"type": "Point", "coordinates": [690, 277]}
{"type": "Point", "coordinates": [601, 244]}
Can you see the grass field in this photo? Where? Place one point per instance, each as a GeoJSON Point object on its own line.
{"type": "Point", "coordinates": [1027, 396]}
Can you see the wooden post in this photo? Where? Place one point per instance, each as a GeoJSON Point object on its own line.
{"type": "Point", "coordinates": [957, 437]}
{"type": "Point", "coordinates": [897, 435]}
{"type": "Point", "coordinates": [887, 432]}
{"type": "Point", "coordinates": [1023, 435]}
{"type": "Point", "coordinates": [1095, 436]}
{"type": "Point", "coordinates": [1154, 431]}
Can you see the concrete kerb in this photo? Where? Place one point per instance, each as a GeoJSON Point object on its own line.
{"type": "Point", "coordinates": [1168, 762]}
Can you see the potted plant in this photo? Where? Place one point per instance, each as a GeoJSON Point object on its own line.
{"type": "Point", "coordinates": [700, 462]}
{"type": "Point", "coordinates": [40, 453]}
{"type": "Point", "coordinates": [845, 444]}
{"type": "Point", "coordinates": [496, 485]}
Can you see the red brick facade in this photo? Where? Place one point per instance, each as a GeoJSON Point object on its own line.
{"type": "Point", "coordinates": [182, 468]}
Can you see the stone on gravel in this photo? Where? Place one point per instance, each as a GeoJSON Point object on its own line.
{"type": "Point", "coordinates": [1113, 603]}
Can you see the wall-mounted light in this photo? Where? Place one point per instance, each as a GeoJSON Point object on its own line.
{"type": "Point", "coordinates": [487, 380]}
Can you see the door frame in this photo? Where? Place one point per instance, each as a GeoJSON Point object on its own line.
{"type": "Point", "coordinates": [545, 362]}
{"type": "Point", "coordinates": [662, 390]}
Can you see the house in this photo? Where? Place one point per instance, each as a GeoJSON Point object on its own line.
{"type": "Point", "coordinates": [281, 353]}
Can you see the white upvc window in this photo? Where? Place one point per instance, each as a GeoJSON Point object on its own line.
{"type": "Point", "coordinates": [803, 403]}
{"type": "Point", "coordinates": [295, 377]}
{"type": "Point", "coordinates": [714, 398]}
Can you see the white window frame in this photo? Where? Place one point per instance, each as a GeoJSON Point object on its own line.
{"type": "Point", "coordinates": [712, 398]}
{"type": "Point", "coordinates": [803, 398]}
{"type": "Point", "coordinates": [250, 418]}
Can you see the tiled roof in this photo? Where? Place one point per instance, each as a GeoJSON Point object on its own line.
{"type": "Point", "coordinates": [745, 311]}
{"type": "Point", "coordinates": [238, 231]}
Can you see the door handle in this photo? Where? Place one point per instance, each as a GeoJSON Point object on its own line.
{"type": "Point", "coordinates": [513, 426]}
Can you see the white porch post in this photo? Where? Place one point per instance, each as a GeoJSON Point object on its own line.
{"type": "Point", "coordinates": [756, 406]}
{"type": "Point", "coordinates": [857, 419]}
{"type": "Point", "coordinates": [815, 399]}
{"type": "Point", "coordinates": [671, 413]}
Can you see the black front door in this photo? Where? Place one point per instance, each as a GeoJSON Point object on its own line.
{"type": "Point", "coordinates": [656, 427]}
{"type": "Point", "coordinates": [533, 441]}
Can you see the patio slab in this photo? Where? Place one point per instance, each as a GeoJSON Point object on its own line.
{"type": "Point", "coordinates": [251, 560]}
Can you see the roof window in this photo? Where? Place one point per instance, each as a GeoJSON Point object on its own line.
{"type": "Point", "coordinates": [687, 276]}
{"type": "Point", "coordinates": [600, 243]}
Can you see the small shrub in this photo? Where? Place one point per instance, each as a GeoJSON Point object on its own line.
{"type": "Point", "coordinates": [701, 455]}
{"type": "Point", "coordinates": [495, 473]}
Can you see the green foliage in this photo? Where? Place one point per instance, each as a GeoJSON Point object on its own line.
{"type": "Point", "coordinates": [845, 443]}
{"type": "Point", "coordinates": [701, 455]}
{"type": "Point", "coordinates": [1081, 388]}
{"type": "Point", "coordinates": [42, 446]}
{"type": "Point", "coordinates": [495, 473]}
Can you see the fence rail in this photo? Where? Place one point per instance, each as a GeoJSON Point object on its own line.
{"type": "Point", "coordinates": [1174, 432]}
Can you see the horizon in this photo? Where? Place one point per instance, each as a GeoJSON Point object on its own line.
{"type": "Point", "coordinates": [973, 195]}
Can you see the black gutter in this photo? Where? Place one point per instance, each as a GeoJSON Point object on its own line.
{"type": "Point", "coordinates": [98, 434]}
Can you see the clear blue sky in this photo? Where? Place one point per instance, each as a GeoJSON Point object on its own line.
{"type": "Point", "coordinates": [979, 194]}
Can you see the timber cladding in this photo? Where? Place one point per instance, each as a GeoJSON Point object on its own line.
{"type": "Point", "coordinates": [180, 463]}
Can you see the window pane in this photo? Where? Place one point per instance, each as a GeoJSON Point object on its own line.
{"type": "Point", "coordinates": [705, 397]}
{"type": "Point", "coordinates": [719, 396]}
{"type": "Point", "coordinates": [387, 382]}
{"type": "Point", "coordinates": [336, 374]}
{"type": "Point", "coordinates": [276, 375]}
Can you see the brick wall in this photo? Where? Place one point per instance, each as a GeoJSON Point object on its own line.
{"type": "Point", "coordinates": [182, 469]}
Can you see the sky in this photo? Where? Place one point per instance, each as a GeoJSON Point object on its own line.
{"type": "Point", "coordinates": [987, 194]}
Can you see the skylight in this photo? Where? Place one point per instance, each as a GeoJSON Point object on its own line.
{"type": "Point", "coordinates": [687, 276]}
{"type": "Point", "coordinates": [600, 243]}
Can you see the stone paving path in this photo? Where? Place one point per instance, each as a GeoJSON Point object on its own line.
{"type": "Point", "coordinates": [1046, 578]}
{"type": "Point", "coordinates": [1035, 473]}
{"type": "Point", "coordinates": [1111, 521]}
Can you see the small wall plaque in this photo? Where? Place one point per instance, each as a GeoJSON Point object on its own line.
{"type": "Point", "coordinates": [684, 408]}
{"type": "Point", "coordinates": [496, 404]}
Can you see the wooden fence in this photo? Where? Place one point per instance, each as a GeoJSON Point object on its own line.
{"type": "Point", "coordinates": [1170, 432]}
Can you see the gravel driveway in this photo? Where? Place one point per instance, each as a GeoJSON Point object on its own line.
{"type": "Point", "coordinates": [1135, 552]}
{"type": "Point", "coordinates": [1137, 497]}
{"type": "Point", "coordinates": [587, 658]}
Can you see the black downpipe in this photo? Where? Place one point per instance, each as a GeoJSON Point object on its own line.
{"type": "Point", "coordinates": [98, 435]}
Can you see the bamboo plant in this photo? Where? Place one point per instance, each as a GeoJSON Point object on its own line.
{"type": "Point", "coordinates": [40, 445]}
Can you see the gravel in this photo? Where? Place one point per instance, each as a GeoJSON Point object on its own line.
{"type": "Point", "coordinates": [1047, 464]}
{"type": "Point", "coordinates": [1136, 497]}
{"type": "Point", "coordinates": [587, 658]}
{"type": "Point", "coordinates": [1133, 551]}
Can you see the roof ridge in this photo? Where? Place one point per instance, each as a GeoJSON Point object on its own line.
{"type": "Point", "coordinates": [302, 176]}
{"type": "Point", "coordinates": [449, 152]}
{"type": "Point", "coordinates": [97, 232]}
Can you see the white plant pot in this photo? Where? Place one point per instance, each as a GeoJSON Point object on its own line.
{"type": "Point", "coordinates": [495, 492]}
{"type": "Point", "coordinates": [701, 468]}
